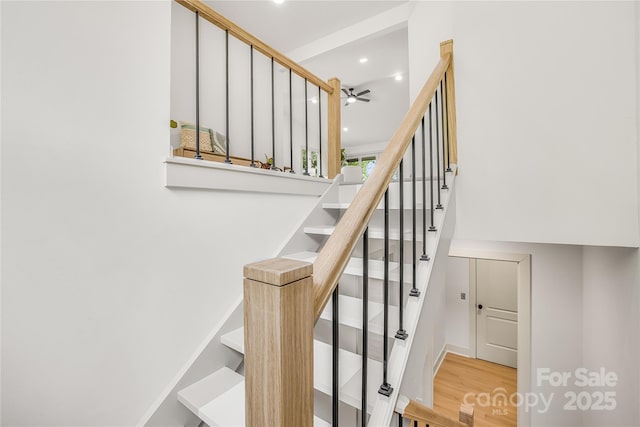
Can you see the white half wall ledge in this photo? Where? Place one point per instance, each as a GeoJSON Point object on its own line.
{"type": "Point", "coordinates": [206, 175]}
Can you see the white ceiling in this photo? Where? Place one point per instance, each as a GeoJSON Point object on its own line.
{"type": "Point", "coordinates": [297, 23]}
{"type": "Point", "coordinates": [387, 55]}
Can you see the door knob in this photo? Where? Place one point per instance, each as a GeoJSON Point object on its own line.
{"type": "Point", "coordinates": [479, 306]}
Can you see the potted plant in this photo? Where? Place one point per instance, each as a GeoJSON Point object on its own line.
{"type": "Point", "coordinates": [314, 164]}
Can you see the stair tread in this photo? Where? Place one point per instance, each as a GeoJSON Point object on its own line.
{"type": "Point", "coordinates": [228, 408]}
{"type": "Point", "coordinates": [351, 314]}
{"type": "Point", "coordinates": [234, 340]}
{"type": "Point", "coordinates": [327, 230]}
{"type": "Point", "coordinates": [350, 365]}
{"type": "Point", "coordinates": [209, 388]}
{"type": "Point", "coordinates": [354, 266]}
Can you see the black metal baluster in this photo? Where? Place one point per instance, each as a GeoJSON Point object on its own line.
{"type": "Point", "coordinates": [365, 324]}
{"type": "Point", "coordinates": [445, 132]}
{"type": "Point", "coordinates": [291, 119]}
{"type": "Point", "coordinates": [226, 76]}
{"type": "Point", "coordinates": [424, 256]}
{"type": "Point", "coordinates": [197, 156]}
{"type": "Point", "coordinates": [439, 206]}
{"type": "Point", "coordinates": [306, 128]}
{"type": "Point", "coordinates": [320, 130]}
{"type": "Point", "coordinates": [253, 164]}
{"type": "Point", "coordinates": [446, 94]}
{"type": "Point", "coordinates": [336, 352]}
{"type": "Point", "coordinates": [399, 420]}
{"type": "Point", "coordinates": [401, 333]}
{"type": "Point", "coordinates": [414, 290]}
{"type": "Point", "coordinates": [273, 116]}
{"type": "Point", "coordinates": [432, 227]}
{"type": "Point", "coordinates": [385, 387]}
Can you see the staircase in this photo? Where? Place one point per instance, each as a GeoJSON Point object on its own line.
{"type": "Point", "coordinates": [219, 398]}
{"type": "Point", "coordinates": [368, 249]}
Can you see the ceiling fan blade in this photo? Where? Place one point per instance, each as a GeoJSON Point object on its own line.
{"type": "Point", "coordinates": [345, 91]}
{"type": "Point", "coordinates": [363, 99]}
{"type": "Point", "coordinates": [346, 104]}
{"type": "Point", "coordinates": [364, 92]}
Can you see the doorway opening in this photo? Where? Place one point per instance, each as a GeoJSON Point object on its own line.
{"type": "Point", "coordinates": [522, 329]}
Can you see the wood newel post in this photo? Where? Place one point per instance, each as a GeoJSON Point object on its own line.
{"type": "Point", "coordinates": [446, 47]}
{"type": "Point", "coordinates": [335, 130]}
{"type": "Point", "coordinates": [278, 342]}
{"type": "Point", "coordinates": [466, 415]}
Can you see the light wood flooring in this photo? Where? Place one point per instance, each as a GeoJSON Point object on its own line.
{"type": "Point", "coordinates": [460, 375]}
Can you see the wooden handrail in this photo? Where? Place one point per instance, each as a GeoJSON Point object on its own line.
{"type": "Point", "coordinates": [333, 257]}
{"type": "Point", "coordinates": [220, 21]}
{"type": "Point", "coordinates": [446, 47]}
{"type": "Point", "coordinates": [422, 415]}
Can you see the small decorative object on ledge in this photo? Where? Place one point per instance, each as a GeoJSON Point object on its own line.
{"type": "Point", "coordinates": [269, 163]}
{"type": "Point", "coordinates": [188, 137]}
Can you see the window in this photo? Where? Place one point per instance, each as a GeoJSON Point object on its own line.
{"type": "Point", "coordinates": [366, 163]}
{"type": "Point", "coordinates": [311, 161]}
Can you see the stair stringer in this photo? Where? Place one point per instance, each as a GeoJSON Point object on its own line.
{"type": "Point", "coordinates": [418, 385]}
{"type": "Point", "coordinates": [212, 355]}
{"type": "Point", "coordinates": [407, 359]}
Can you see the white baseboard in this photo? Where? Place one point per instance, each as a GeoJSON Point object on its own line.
{"type": "Point", "coordinates": [439, 359]}
{"type": "Point", "coordinates": [460, 351]}
{"type": "Point", "coordinates": [449, 348]}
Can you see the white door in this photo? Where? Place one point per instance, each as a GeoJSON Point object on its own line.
{"type": "Point", "coordinates": [497, 311]}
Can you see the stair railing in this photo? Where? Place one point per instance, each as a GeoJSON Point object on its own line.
{"type": "Point", "coordinates": [278, 292]}
{"type": "Point", "coordinates": [334, 256]}
{"type": "Point", "coordinates": [331, 88]}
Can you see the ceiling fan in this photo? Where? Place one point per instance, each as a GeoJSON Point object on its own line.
{"type": "Point", "coordinates": [353, 97]}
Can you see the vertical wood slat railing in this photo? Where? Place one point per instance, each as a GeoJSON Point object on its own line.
{"type": "Point", "coordinates": [331, 88]}
{"type": "Point", "coordinates": [335, 254]}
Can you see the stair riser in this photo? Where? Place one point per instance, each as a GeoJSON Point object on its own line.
{"type": "Point", "coordinates": [347, 193]}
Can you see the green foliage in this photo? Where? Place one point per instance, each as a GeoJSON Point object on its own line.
{"type": "Point", "coordinates": [343, 157]}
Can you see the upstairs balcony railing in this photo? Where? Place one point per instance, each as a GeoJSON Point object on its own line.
{"type": "Point", "coordinates": [314, 87]}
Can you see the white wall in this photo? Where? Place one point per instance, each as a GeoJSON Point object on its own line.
{"type": "Point", "coordinates": [546, 116]}
{"type": "Point", "coordinates": [610, 329]}
{"type": "Point", "coordinates": [556, 316]}
{"type": "Point", "coordinates": [457, 311]}
{"type": "Point", "coordinates": [110, 281]}
{"type": "Point", "coordinates": [584, 315]}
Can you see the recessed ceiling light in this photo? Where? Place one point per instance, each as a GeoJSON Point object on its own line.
{"type": "Point", "coordinates": [345, 129]}
{"type": "Point", "coordinates": [398, 77]}
{"type": "Point", "coordinates": [278, 1]}
{"type": "Point", "coordinates": [314, 100]}
{"type": "Point", "coordinates": [363, 60]}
